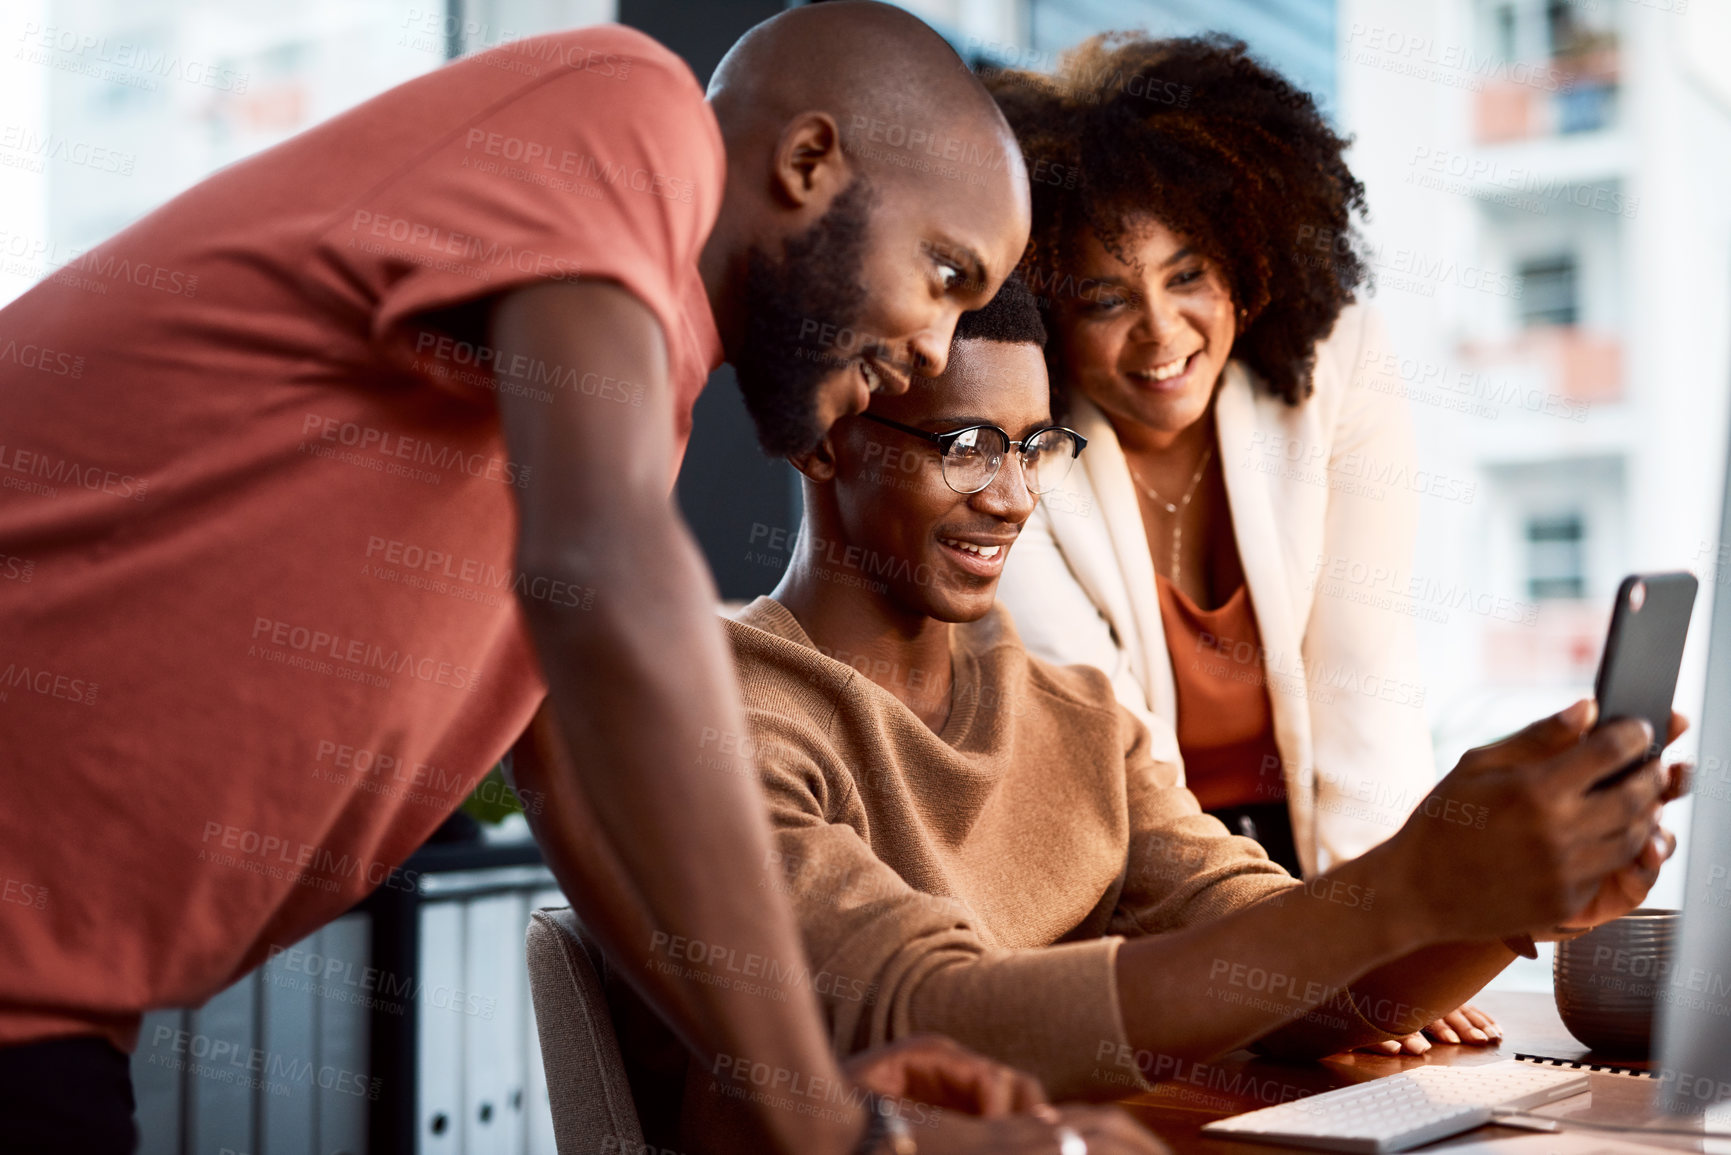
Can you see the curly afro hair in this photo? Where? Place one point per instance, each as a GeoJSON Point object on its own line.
{"type": "Point", "coordinates": [1219, 148]}
{"type": "Point", "coordinates": [1012, 317]}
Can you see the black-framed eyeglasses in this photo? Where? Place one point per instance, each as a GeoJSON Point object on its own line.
{"type": "Point", "coordinates": [973, 455]}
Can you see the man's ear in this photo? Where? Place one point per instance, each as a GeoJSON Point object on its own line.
{"type": "Point", "coordinates": [817, 464]}
{"type": "Point", "coordinates": [808, 163]}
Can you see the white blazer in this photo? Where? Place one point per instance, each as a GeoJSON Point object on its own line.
{"type": "Point", "coordinates": [1324, 500]}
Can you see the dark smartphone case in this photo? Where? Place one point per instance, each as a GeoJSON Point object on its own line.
{"type": "Point", "coordinates": [1643, 652]}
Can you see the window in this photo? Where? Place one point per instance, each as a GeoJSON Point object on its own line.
{"type": "Point", "coordinates": [1505, 31]}
{"type": "Point", "coordinates": [1560, 26]}
{"type": "Point", "coordinates": [1556, 556]}
{"type": "Point", "coordinates": [1548, 294]}
{"type": "Point", "coordinates": [161, 93]}
{"type": "Point", "coordinates": [1587, 107]}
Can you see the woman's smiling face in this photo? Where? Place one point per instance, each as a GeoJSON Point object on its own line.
{"type": "Point", "coordinates": [1146, 341]}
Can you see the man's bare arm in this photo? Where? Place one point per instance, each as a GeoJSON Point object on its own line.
{"type": "Point", "coordinates": [644, 693]}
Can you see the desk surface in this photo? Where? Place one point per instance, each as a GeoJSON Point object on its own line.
{"type": "Point", "coordinates": [1176, 1110]}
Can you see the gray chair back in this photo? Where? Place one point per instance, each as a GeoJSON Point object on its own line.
{"type": "Point", "coordinates": [586, 1086]}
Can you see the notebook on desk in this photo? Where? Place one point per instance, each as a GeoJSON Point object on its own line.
{"type": "Point", "coordinates": [1567, 1143]}
{"type": "Point", "coordinates": [1634, 1070]}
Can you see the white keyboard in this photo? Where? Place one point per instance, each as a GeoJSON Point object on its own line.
{"type": "Point", "coordinates": [1405, 1110]}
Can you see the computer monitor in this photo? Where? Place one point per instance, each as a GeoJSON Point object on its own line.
{"type": "Point", "coordinates": [1694, 1016]}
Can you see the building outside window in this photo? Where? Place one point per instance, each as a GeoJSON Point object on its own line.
{"type": "Point", "coordinates": [1548, 293]}
{"type": "Point", "coordinates": [1556, 557]}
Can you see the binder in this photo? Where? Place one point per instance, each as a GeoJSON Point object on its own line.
{"type": "Point", "coordinates": [344, 1034]}
{"type": "Point", "coordinates": [288, 1037]}
{"type": "Point", "coordinates": [220, 1106]}
{"type": "Point", "coordinates": [157, 1088]}
{"type": "Point", "coordinates": [439, 1059]}
{"type": "Point", "coordinates": [492, 1074]}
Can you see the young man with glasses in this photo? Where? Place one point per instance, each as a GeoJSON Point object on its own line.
{"type": "Point", "coordinates": [979, 843]}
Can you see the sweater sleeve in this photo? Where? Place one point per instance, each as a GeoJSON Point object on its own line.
{"type": "Point", "coordinates": [1185, 869]}
{"type": "Point", "coordinates": [1184, 866]}
{"type": "Point", "coordinates": [888, 960]}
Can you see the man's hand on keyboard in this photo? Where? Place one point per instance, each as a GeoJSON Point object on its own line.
{"type": "Point", "coordinates": [987, 1108]}
{"type": "Point", "coordinates": [938, 1070]}
{"type": "Point", "coordinates": [1516, 840]}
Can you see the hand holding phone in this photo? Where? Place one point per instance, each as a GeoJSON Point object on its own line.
{"type": "Point", "coordinates": [1643, 654]}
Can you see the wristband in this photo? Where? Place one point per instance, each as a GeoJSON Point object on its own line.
{"type": "Point", "coordinates": [885, 1131]}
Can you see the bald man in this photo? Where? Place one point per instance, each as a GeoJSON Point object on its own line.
{"type": "Point", "coordinates": [321, 478]}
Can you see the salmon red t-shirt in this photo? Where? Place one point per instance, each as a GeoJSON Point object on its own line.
{"type": "Point", "coordinates": [259, 630]}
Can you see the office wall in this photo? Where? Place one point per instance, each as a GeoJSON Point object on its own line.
{"type": "Point", "coordinates": [732, 496]}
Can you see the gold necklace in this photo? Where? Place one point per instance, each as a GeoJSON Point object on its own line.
{"type": "Point", "coordinates": [1175, 507]}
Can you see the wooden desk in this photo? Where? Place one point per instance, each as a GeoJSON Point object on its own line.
{"type": "Point", "coordinates": [1176, 1110]}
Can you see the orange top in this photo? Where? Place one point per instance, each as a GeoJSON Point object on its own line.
{"type": "Point", "coordinates": [259, 627]}
{"type": "Point", "coordinates": [1225, 723]}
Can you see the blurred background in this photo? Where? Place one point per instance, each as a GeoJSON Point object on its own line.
{"type": "Point", "coordinates": [1551, 240]}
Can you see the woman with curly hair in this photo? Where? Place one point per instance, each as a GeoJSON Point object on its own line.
{"type": "Point", "coordinates": [1246, 509]}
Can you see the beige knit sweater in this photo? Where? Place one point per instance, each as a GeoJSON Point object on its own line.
{"type": "Point", "coordinates": [977, 882]}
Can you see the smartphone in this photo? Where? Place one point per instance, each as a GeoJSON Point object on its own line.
{"type": "Point", "coordinates": [1643, 653]}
